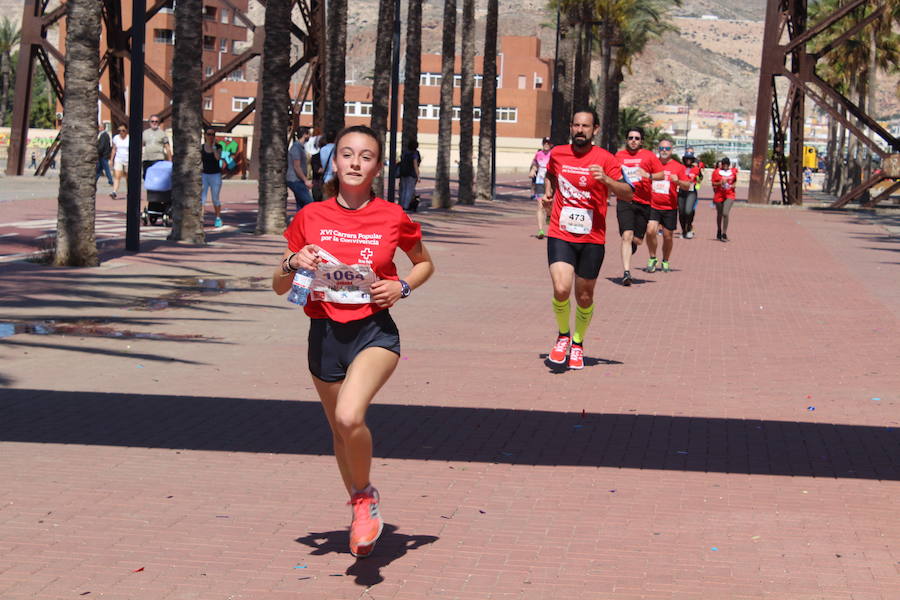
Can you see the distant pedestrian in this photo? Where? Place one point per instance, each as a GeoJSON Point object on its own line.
{"type": "Point", "coordinates": [538, 173]}
{"type": "Point", "coordinates": [104, 149]}
{"type": "Point", "coordinates": [409, 174]}
{"type": "Point", "coordinates": [295, 177]}
{"type": "Point", "coordinates": [33, 164]}
{"type": "Point", "coordinates": [807, 178]}
{"type": "Point", "coordinates": [211, 177]}
{"type": "Point", "coordinates": [119, 157]}
{"type": "Point", "coordinates": [156, 145]}
{"type": "Point", "coordinates": [723, 181]}
{"type": "Point", "coordinates": [321, 163]}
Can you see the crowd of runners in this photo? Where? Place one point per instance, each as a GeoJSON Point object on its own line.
{"type": "Point", "coordinates": [342, 249]}
{"type": "Point", "coordinates": [654, 194]}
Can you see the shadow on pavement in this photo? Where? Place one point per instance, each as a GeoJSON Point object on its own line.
{"type": "Point", "coordinates": [440, 433]}
{"type": "Point", "coordinates": [391, 546]}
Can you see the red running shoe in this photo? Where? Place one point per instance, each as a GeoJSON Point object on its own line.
{"type": "Point", "coordinates": [367, 523]}
{"type": "Point", "coordinates": [560, 349]}
{"type": "Point", "coordinates": [576, 357]}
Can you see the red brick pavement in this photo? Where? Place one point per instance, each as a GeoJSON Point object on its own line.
{"type": "Point", "coordinates": [697, 469]}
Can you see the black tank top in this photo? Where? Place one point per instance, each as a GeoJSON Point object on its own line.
{"type": "Point", "coordinates": [210, 162]}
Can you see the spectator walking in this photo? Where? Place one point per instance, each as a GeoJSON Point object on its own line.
{"type": "Point", "coordinates": [33, 164]}
{"type": "Point", "coordinates": [537, 173]}
{"type": "Point", "coordinates": [104, 149]}
{"type": "Point", "coordinates": [156, 145]}
{"type": "Point", "coordinates": [409, 174]}
{"type": "Point", "coordinates": [211, 177]}
{"type": "Point", "coordinates": [119, 158]}
{"type": "Point", "coordinates": [321, 163]}
{"type": "Point", "coordinates": [296, 169]}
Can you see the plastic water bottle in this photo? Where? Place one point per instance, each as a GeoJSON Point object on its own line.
{"type": "Point", "coordinates": [300, 287]}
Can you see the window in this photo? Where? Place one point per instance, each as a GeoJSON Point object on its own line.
{"type": "Point", "coordinates": [476, 113]}
{"type": "Point", "coordinates": [235, 47]}
{"type": "Point", "coordinates": [430, 79]}
{"type": "Point", "coordinates": [209, 13]}
{"type": "Point", "coordinates": [164, 36]}
{"type": "Point", "coordinates": [307, 108]}
{"type": "Point", "coordinates": [168, 7]}
{"type": "Point", "coordinates": [523, 82]}
{"type": "Point", "coordinates": [538, 82]}
{"type": "Point", "coordinates": [209, 43]}
{"type": "Point", "coordinates": [236, 75]}
{"type": "Point", "coordinates": [478, 80]}
{"type": "Point", "coordinates": [507, 114]}
{"type": "Point", "coordinates": [223, 45]}
{"type": "Point", "coordinates": [429, 111]}
{"type": "Point", "coordinates": [225, 16]}
{"type": "Point", "coordinates": [240, 103]}
{"type": "Point", "coordinates": [207, 103]}
{"type": "Point", "coordinates": [236, 21]}
{"type": "Point", "coordinates": [358, 109]}
{"type": "Point", "coordinates": [457, 81]}
{"type": "Point", "coordinates": [208, 71]}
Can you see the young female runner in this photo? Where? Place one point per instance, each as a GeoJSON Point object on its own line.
{"type": "Point", "coordinates": [354, 344]}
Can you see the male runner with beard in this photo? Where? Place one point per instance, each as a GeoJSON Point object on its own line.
{"type": "Point", "coordinates": [579, 179]}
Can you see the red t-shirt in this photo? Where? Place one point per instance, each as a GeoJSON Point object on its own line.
{"type": "Point", "coordinates": [693, 173]}
{"type": "Point", "coordinates": [365, 240]}
{"type": "Point", "coordinates": [665, 192]}
{"type": "Point", "coordinates": [728, 177]}
{"type": "Point", "coordinates": [647, 161]}
{"type": "Point", "coordinates": [579, 204]}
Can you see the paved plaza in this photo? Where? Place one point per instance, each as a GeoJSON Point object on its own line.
{"type": "Point", "coordinates": [735, 433]}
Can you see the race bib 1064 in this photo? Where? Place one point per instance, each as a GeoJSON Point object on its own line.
{"type": "Point", "coordinates": [343, 284]}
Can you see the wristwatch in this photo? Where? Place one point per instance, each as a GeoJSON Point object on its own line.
{"type": "Point", "coordinates": [405, 290]}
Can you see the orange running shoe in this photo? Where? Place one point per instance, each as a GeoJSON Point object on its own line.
{"type": "Point", "coordinates": [560, 349]}
{"type": "Point", "coordinates": [576, 356]}
{"type": "Point", "coordinates": [367, 523]}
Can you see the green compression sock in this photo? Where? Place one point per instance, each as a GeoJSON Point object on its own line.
{"type": "Point", "coordinates": [582, 320]}
{"type": "Point", "coordinates": [561, 310]}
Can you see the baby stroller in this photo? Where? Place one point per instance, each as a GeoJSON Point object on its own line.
{"type": "Point", "coordinates": [158, 182]}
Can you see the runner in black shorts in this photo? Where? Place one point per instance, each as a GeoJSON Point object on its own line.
{"type": "Point", "coordinates": [349, 241]}
{"type": "Point", "coordinates": [579, 179]}
{"type": "Point", "coordinates": [664, 205]}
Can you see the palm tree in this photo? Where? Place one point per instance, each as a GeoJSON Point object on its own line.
{"type": "Point", "coordinates": [336, 48]}
{"type": "Point", "coordinates": [381, 80]}
{"type": "Point", "coordinates": [273, 112]}
{"type": "Point", "coordinates": [564, 94]}
{"type": "Point", "coordinates": [76, 245]}
{"type": "Point", "coordinates": [187, 123]}
{"type": "Point", "coordinates": [632, 117]}
{"type": "Point", "coordinates": [488, 125]}
{"type": "Point", "coordinates": [628, 25]}
{"type": "Point", "coordinates": [441, 197]}
{"type": "Point", "coordinates": [413, 72]}
{"type": "Point", "coordinates": [9, 39]}
{"type": "Point", "coordinates": [466, 104]}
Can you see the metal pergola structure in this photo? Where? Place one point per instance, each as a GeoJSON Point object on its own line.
{"type": "Point", "coordinates": [34, 46]}
{"type": "Point", "coordinates": [795, 62]}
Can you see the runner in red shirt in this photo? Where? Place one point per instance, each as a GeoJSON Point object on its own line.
{"type": "Point", "coordinates": [579, 179]}
{"type": "Point", "coordinates": [641, 168]}
{"type": "Point", "coordinates": [723, 181]}
{"type": "Point", "coordinates": [687, 199]}
{"type": "Point", "coordinates": [664, 205]}
{"type": "Point", "coordinates": [354, 344]}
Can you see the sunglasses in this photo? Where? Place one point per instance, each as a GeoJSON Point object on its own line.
{"type": "Point", "coordinates": [154, 121]}
{"type": "Point", "coordinates": [634, 137]}
{"type": "Point", "coordinates": [210, 133]}
{"type": "Point", "coordinates": [665, 147]}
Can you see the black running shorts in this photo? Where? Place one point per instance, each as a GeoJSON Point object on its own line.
{"type": "Point", "coordinates": [633, 216]}
{"type": "Point", "coordinates": [586, 258]}
{"type": "Point", "coordinates": [333, 346]}
{"type": "Point", "coordinates": [666, 218]}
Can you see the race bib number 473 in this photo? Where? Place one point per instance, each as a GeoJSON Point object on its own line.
{"type": "Point", "coordinates": [576, 220]}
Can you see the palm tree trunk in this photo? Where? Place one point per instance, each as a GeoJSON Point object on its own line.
{"type": "Point", "coordinates": [336, 47]}
{"type": "Point", "coordinates": [466, 105]}
{"type": "Point", "coordinates": [413, 72]}
{"type": "Point", "coordinates": [488, 125]}
{"type": "Point", "coordinates": [612, 79]}
{"type": "Point", "coordinates": [581, 91]}
{"type": "Point", "coordinates": [4, 87]}
{"type": "Point", "coordinates": [562, 106]}
{"type": "Point", "coordinates": [273, 112]}
{"type": "Point", "coordinates": [76, 245]}
{"type": "Point", "coordinates": [441, 197]}
{"type": "Point", "coordinates": [187, 122]}
{"type": "Point", "coordinates": [381, 81]}
{"type": "Point", "coordinates": [830, 151]}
